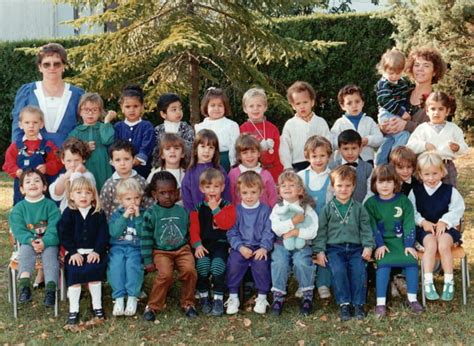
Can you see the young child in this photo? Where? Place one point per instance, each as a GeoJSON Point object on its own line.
{"type": "Point", "coordinates": [255, 105]}
{"type": "Point", "coordinates": [125, 269]}
{"type": "Point", "coordinates": [73, 154]}
{"type": "Point", "coordinates": [205, 154]}
{"type": "Point", "coordinates": [438, 134]}
{"type": "Point", "coordinates": [392, 220]}
{"type": "Point", "coordinates": [33, 223]}
{"type": "Point", "coordinates": [439, 209]}
{"type": "Point", "coordinates": [351, 101]}
{"type": "Point", "coordinates": [84, 234]}
{"type": "Point", "coordinates": [344, 243]}
{"type": "Point", "coordinates": [32, 151]}
{"type": "Point", "coordinates": [98, 135]}
{"type": "Point", "coordinates": [303, 225]}
{"type": "Point", "coordinates": [121, 158]}
{"type": "Point", "coordinates": [349, 143]}
{"type": "Point", "coordinates": [136, 130]}
{"type": "Point", "coordinates": [210, 220]}
{"type": "Point", "coordinates": [215, 108]}
{"type": "Point", "coordinates": [251, 240]}
{"type": "Point", "coordinates": [170, 107]}
{"type": "Point", "coordinates": [392, 93]}
{"type": "Point", "coordinates": [303, 125]}
{"type": "Point", "coordinates": [247, 149]}
{"type": "Point", "coordinates": [165, 245]}
{"type": "Point", "coordinates": [318, 151]}
{"type": "Point", "coordinates": [404, 161]}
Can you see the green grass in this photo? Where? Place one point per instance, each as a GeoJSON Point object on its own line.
{"type": "Point", "coordinates": [442, 323]}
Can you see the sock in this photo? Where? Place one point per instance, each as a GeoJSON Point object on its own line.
{"type": "Point", "coordinates": [381, 301]}
{"type": "Point", "coordinates": [448, 278]}
{"type": "Point", "coordinates": [51, 286]}
{"type": "Point", "coordinates": [428, 278]}
{"type": "Point", "coordinates": [218, 296]}
{"type": "Point", "coordinates": [234, 296]}
{"type": "Point", "coordinates": [96, 294]}
{"type": "Point", "coordinates": [74, 294]}
{"type": "Point", "coordinates": [344, 304]}
{"type": "Point", "coordinates": [411, 297]}
{"type": "Point", "coordinates": [308, 295]}
{"type": "Point", "coordinates": [262, 296]}
{"type": "Point", "coordinates": [24, 282]}
{"type": "Point", "coordinates": [278, 296]}
{"type": "Point", "coordinates": [203, 294]}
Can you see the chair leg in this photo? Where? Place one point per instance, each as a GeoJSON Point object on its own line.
{"type": "Point", "coordinates": [423, 297]}
{"type": "Point", "coordinates": [464, 279]}
{"type": "Point", "coordinates": [62, 284]}
{"type": "Point", "coordinates": [56, 303]}
{"type": "Point", "coordinates": [10, 282]}
{"type": "Point", "coordinates": [467, 273]}
{"type": "Point", "coordinates": [15, 307]}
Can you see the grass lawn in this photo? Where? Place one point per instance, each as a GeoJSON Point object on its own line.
{"type": "Point", "coordinates": [442, 323]}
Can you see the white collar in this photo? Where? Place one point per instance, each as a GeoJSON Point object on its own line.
{"type": "Point", "coordinates": [35, 201]}
{"type": "Point", "coordinates": [129, 123]}
{"type": "Point", "coordinates": [84, 211]}
{"type": "Point", "coordinates": [116, 176]}
{"type": "Point", "coordinates": [325, 172]}
{"type": "Point", "coordinates": [171, 127]}
{"type": "Point", "coordinates": [246, 206]}
{"type": "Point", "coordinates": [244, 169]}
{"type": "Point", "coordinates": [207, 119]}
{"type": "Point", "coordinates": [343, 161]}
{"type": "Point", "coordinates": [297, 203]}
{"type": "Point", "coordinates": [431, 190]}
{"type": "Point", "coordinates": [408, 181]}
{"type": "Point", "coordinates": [39, 137]}
{"type": "Point", "coordinates": [313, 116]}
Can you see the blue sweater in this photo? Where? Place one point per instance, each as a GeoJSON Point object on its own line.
{"type": "Point", "coordinates": [141, 135]}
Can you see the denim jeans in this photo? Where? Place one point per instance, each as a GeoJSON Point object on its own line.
{"type": "Point", "coordinates": [303, 267]}
{"type": "Point", "coordinates": [125, 270]}
{"type": "Point", "coordinates": [390, 141]}
{"type": "Point", "coordinates": [323, 276]}
{"type": "Point", "coordinates": [383, 277]}
{"type": "Point", "coordinates": [349, 274]}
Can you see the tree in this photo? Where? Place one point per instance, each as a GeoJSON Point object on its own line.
{"type": "Point", "coordinates": [447, 25]}
{"type": "Point", "coordinates": [183, 45]}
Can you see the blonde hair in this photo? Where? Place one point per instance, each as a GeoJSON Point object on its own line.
{"type": "Point", "coordinates": [32, 110]}
{"type": "Point", "coordinates": [314, 142]}
{"type": "Point", "coordinates": [250, 179]}
{"type": "Point", "coordinates": [83, 183]}
{"type": "Point", "coordinates": [127, 185]}
{"type": "Point", "coordinates": [430, 159]}
{"type": "Point", "coordinates": [290, 175]}
{"type": "Point", "coordinates": [254, 92]}
{"type": "Point", "coordinates": [92, 98]}
{"type": "Point", "coordinates": [391, 59]}
{"type": "Point", "coordinates": [343, 172]}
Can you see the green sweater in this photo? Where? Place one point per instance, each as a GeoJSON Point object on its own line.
{"type": "Point", "coordinates": [28, 219]}
{"type": "Point", "coordinates": [164, 229]}
{"type": "Point", "coordinates": [338, 224]}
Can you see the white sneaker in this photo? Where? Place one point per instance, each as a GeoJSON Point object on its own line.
{"type": "Point", "coordinates": [131, 306]}
{"type": "Point", "coordinates": [118, 307]}
{"type": "Point", "coordinates": [324, 292]}
{"type": "Point", "coordinates": [260, 306]}
{"type": "Point", "coordinates": [299, 293]}
{"type": "Point", "coordinates": [232, 305]}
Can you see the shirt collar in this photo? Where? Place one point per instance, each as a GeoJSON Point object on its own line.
{"type": "Point", "coordinates": [35, 201]}
{"type": "Point", "coordinates": [129, 123]}
{"type": "Point", "coordinates": [325, 172]}
{"type": "Point", "coordinates": [343, 161]}
{"type": "Point", "coordinates": [39, 137]}
{"type": "Point", "coordinates": [116, 176]}
{"type": "Point", "coordinates": [255, 206]}
{"type": "Point", "coordinates": [243, 169]}
{"type": "Point", "coordinates": [84, 211]}
{"type": "Point", "coordinates": [431, 190]}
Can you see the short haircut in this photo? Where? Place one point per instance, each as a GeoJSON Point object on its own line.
{"type": "Point", "coordinates": [121, 144]}
{"type": "Point", "coordinates": [428, 54]}
{"type": "Point", "coordinates": [246, 142]}
{"type": "Point", "coordinates": [50, 49]}
{"type": "Point", "coordinates": [92, 98]}
{"type": "Point", "coordinates": [349, 89]}
{"type": "Point", "coordinates": [349, 137]}
{"type": "Point", "coordinates": [250, 179]}
{"type": "Point", "coordinates": [209, 175]}
{"type": "Point", "coordinates": [206, 137]}
{"type": "Point", "coordinates": [165, 100]}
{"type": "Point", "coordinates": [30, 171]}
{"type": "Point", "coordinates": [430, 159]}
{"type": "Point", "coordinates": [128, 185]}
{"type": "Point", "coordinates": [385, 172]}
{"type": "Point", "coordinates": [403, 156]}
{"type": "Point", "coordinates": [132, 91]}
{"type": "Point", "coordinates": [83, 183]}
{"type": "Point", "coordinates": [343, 172]}
{"type": "Point", "coordinates": [392, 59]}
{"type": "Point", "coordinates": [215, 93]}
{"type": "Point", "coordinates": [76, 147]}
{"type": "Point", "coordinates": [314, 142]}
{"type": "Point", "coordinates": [254, 92]}
{"type": "Point", "coordinates": [31, 110]}
{"type": "Point", "coordinates": [160, 176]}
{"type": "Point", "coordinates": [170, 140]}
{"type": "Point", "coordinates": [299, 87]}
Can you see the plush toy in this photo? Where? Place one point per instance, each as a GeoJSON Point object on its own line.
{"type": "Point", "coordinates": [286, 212]}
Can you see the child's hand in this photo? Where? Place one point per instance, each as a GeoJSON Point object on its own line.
{"type": "Point", "coordinates": [42, 168]}
{"type": "Point", "coordinates": [136, 162]}
{"type": "Point", "coordinates": [428, 226]}
{"type": "Point", "coordinates": [261, 254]}
{"type": "Point", "coordinates": [129, 211]}
{"type": "Point", "coordinates": [365, 141]}
{"type": "Point", "coordinates": [406, 116]}
{"type": "Point", "coordinates": [411, 251]}
{"type": "Point", "coordinates": [367, 253]}
{"type": "Point", "coordinates": [321, 259]}
{"type": "Point", "coordinates": [76, 260]}
{"type": "Point", "coordinates": [38, 245]}
{"type": "Point", "coordinates": [380, 252]}
{"type": "Point", "coordinates": [246, 252]}
{"type": "Point", "coordinates": [93, 257]}
{"type": "Point", "coordinates": [293, 233]}
{"type": "Point", "coordinates": [212, 202]}
{"type": "Point", "coordinates": [111, 115]}
{"type": "Point", "coordinates": [298, 218]}
{"type": "Point", "coordinates": [80, 168]}
{"type": "Point", "coordinates": [19, 172]}
{"type": "Point", "coordinates": [454, 147]}
{"type": "Point", "coordinates": [150, 268]}
{"type": "Point", "coordinates": [429, 147]}
{"type": "Point", "coordinates": [441, 227]}
{"type": "Point", "coordinates": [200, 252]}
{"type": "Point", "coordinates": [91, 145]}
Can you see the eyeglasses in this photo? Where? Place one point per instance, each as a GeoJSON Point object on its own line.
{"type": "Point", "coordinates": [90, 110]}
{"type": "Point", "coordinates": [56, 64]}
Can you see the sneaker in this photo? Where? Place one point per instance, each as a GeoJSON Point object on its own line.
{"type": "Point", "coordinates": [149, 314]}
{"type": "Point", "coordinates": [217, 307]}
{"type": "Point", "coordinates": [98, 313]}
{"type": "Point", "coordinates": [232, 306]}
{"type": "Point", "coordinates": [380, 311]}
{"type": "Point", "coordinates": [448, 291]}
{"type": "Point", "coordinates": [394, 290]}
{"type": "Point", "coordinates": [359, 312]}
{"type": "Point", "coordinates": [131, 308]}
{"type": "Point", "coordinates": [299, 293]}
{"type": "Point", "coordinates": [324, 292]}
{"type": "Point", "coordinates": [190, 312]}
{"type": "Point", "coordinates": [206, 305]}
{"type": "Point", "coordinates": [277, 307]}
{"type": "Point", "coordinates": [306, 307]}
{"type": "Point", "coordinates": [118, 307]}
{"type": "Point", "coordinates": [260, 306]}
{"type": "Point", "coordinates": [401, 284]}
{"type": "Point", "coordinates": [430, 291]}
{"type": "Point", "coordinates": [49, 299]}
{"type": "Point", "coordinates": [345, 312]}
{"type": "Point", "coordinates": [415, 307]}
{"type": "Point", "coordinates": [25, 295]}
{"type": "Point", "coordinates": [73, 318]}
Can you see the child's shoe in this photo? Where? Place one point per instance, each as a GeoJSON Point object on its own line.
{"type": "Point", "coordinates": [98, 313]}
{"type": "Point", "coordinates": [206, 305]}
{"type": "Point", "coordinates": [232, 306]}
{"type": "Point", "coordinates": [50, 299]}
{"type": "Point", "coordinates": [415, 307]}
{"type": "Point", "coordinates": [190, 312]}
{"type": "Point", "coordinates": [448, 291]}
{"type": "Point", "coordinates": [380, 311]}
{"type": "Point", "coordinates": [345, 312]}
{"type": "Point", "coordinates": [25, 294]}
{"type": "Point", "coordinates": [217, 307]}
{"type": "Point", "coordinates": [299, 293]}
{"type": "Point", "coordinates": [260, 306]}
{"type": "Point", "coordinates": [306, 307]}
{"type": "Point", "coordinates": [118, 307]}
{"type": "Point", "coordinates": [324, 292]}
{"type": "Point", "coordinates": [359, 312]}
{"type": "Point", "coordinates": [73, 318]}
{"type": "Point", "coordinates": [131, 308]}
{"type": "Point", "coordinates": [430, 291]}
{"type": "Point", "coordinates": [149, 314]}
{"type": "Point", "coordinates": [277, 307]}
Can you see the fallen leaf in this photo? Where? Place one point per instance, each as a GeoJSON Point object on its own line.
{"type": "Point", "coordinates": [300, 324]}
{"type": "Point", "coordinates": [44, 336]}
{"type": "Point", "coordinates": [156, 322]}
{"type": "Point", "coordinates": [323, 318]}
{"type": "Point", "coordinates": [247, 322]}
{"type": "Point", "coordinates": [230, 338]}
{"type": "Point", "coordinates": [429, 330]}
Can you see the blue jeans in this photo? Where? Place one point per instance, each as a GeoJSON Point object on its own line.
{"type": "Point", "coordinates": [349, 274]}
{"type": "Point", "coordinates": [323, 276]}
{"type": "Point", "coordinates": [390, 141]}
{"type": "Point", "coordinates": [125, 270]}
{"type": "Point", "coordinates": [303, 267]}
{"type": "Point", "coordinates": [383, 276]}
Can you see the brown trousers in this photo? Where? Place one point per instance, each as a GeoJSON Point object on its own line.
{"type": "Point", "coordinates": [165, 262]}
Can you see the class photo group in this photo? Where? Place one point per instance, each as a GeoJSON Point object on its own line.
{"type": "Point", "coordinates": [228, 205]}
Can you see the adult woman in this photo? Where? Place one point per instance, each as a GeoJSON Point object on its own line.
{"type": "Point", "coordinates": [58, 100]}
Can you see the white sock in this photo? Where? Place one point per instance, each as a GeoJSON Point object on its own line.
{"type": "Point", "coordinates": [203, 294]}
{"type": "Point", "coordinates": [218, 297]}
{"type": "Point", "coordinates": [448, 278]}
{"type": "Point", "coordinates": [381, 301]}
{"type": "Point", "coordinates": [234, 296]}
{"type": "Point", "coordinates": [411, 297]}
{"type": "Point", "coordinates": [74, 295]}
{"type": "Point", "coordinates": [262, 297]}
{"type": "Point", "coordinates": [428, 278]}
{"type": "Point", "coordinates": [96, 294]}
